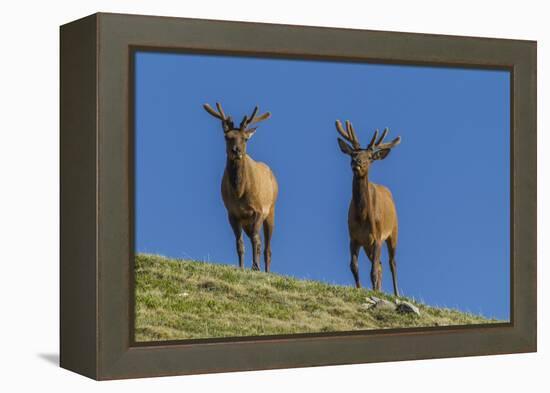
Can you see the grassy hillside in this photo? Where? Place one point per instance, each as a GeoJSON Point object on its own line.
{"type": "Point", "coordinates": [177, 299]}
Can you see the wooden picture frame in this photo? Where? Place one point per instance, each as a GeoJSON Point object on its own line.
{"type": "Point", "coordinates": [96, 316]}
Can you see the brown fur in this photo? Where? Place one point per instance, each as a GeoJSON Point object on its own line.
{"type": "Point", "coordinates": [249, 189]}
{"type": "Point", "coordinates": [372, 216]}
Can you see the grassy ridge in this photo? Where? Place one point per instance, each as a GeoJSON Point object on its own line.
{"type": "Point", "coordinates": [178, 299]}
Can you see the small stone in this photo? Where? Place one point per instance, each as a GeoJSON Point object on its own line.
{"type": "Point", "coordinates": [407, 308]}
{"type": "Point", "coordinates": [383, 304]}
{"type": "Point", "coordinates": [370, 300]}
{"type": "Point", "coordinates": [375, 303]}
{"type": "Point", "coordinates": [183, 294]}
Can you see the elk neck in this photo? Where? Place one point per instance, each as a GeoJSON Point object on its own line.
{"type": "Point", "coordinates": [236, 171]}
{"type": "Point", "coordinates": [362, 196]}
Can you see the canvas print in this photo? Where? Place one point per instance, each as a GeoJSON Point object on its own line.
{"type": "Point", "coordinates": [278, 196]}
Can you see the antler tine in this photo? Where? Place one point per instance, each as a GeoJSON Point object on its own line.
{"type": "Point", "coordinates": [379, 145]}
{"type": "Point", "coordinates": [244, 122]}
{"type": "Point", "coordinates": [348, 134]}
{"type": "Point", "coordinates": [227, 122]}
{"type": "Point", "coordinates": [211, 110]}
{"type": "Point", "coordinates": [341, 131]}
{"type": "Point", "coordinates": [248, 120]}
{"type": "Point", "coordinates": [253, 115]}
{"type": "Point", "coordinates": [389, 145]}
{"type": "Point", "coordinates": [371, 143]}
{"type": "Point", "coordinates": [353, 135]}
{"type": "Point", "coordinates": [381, 139]}
{"type": "Point", "coordinates": [260, 118]}
{"type": "Point", "coordinates": [349, 129]}
{"type": "Point", "coordinates": [220, 109]}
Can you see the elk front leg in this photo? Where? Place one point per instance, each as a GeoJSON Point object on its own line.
{"type": "Point", "coordinates": [256, 243]}
{"type": "Point", "coordinates": [238, 231]}
{"type": "Point", "coordinates": [354, 264]}
{"type": "Point", "coordinates": [376, 268]}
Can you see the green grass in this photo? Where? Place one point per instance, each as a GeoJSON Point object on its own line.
{"type": "Point", "coordinates": [180, 299]}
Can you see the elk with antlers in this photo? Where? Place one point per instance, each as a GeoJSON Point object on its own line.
{"type": "Point", "coordinates": [249, 188]}
{"type": "Point", "coordinates": [372, 217]}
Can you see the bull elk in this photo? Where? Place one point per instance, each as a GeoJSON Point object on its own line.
{"type": "Point", "coordinates": [372, 217]}
{"type": "Point", "coordinates": [249, 188]}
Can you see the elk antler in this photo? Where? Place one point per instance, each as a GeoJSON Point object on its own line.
{"type": "Point", "coordinates": [220, 114]}
{"type": "Point", "coordinates": [348, 134]}
{"type": "Point", "coordinates": [252, 119]}
{"type": "Point", "coordinates": [378, 145]}
{"type": "Point", "coordinates": [227, 122]}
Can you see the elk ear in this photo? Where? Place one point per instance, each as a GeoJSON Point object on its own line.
{"type": "Point", "coordinates": [249, 132]}
{"type": "Point", "coordinates": [380, 154]}
{"type": "Point", "coordinates": [346, 149]}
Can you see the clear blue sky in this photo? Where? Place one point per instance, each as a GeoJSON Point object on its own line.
{"type": "Point", "coordinates": [449, 176]}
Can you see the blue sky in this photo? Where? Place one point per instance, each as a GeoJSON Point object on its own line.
{"type": "Point", "coordinates": [449, 176]}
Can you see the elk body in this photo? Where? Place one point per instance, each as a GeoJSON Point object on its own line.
{"type": "Point", "coordinates": [372, 217]}
{"type": "Point", "coordinates": [249, 188]}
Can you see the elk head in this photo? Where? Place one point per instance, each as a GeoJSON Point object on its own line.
{"type": "Point", "coordinates": [362, 158]}
{"type": "Point", "coordinates": [236, 138]}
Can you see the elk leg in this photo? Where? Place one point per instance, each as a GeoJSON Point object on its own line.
{"type": "Point", "coordinates": [256, 244]}
{"type": "Point", "coordinates": [238, 231]}
{"type": "Point", "coordinates": [354, 264]}
{"type": "Point", "coordinates": [269, 224]}
{"type": "Point", "coordinates": [376, 269]}
{"type": "Point", "coordinates": [390, 242]}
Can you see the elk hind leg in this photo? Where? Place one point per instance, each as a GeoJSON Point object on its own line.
{"type": "Point", "coordinates": [391, 242]}
{"type": "Point", "coordinates": [269, 225]}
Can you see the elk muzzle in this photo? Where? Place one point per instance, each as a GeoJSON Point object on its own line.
{"type": "Point", "coordinates": [236, 153]}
